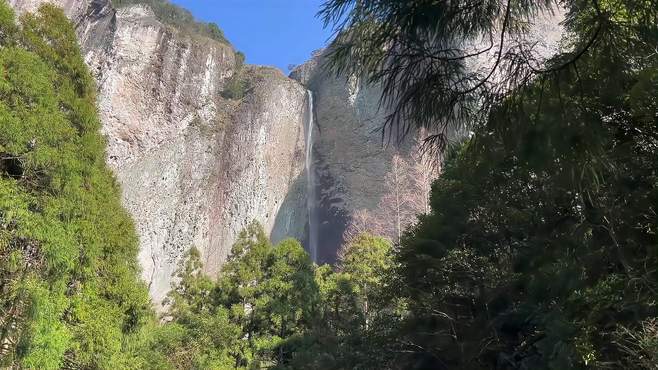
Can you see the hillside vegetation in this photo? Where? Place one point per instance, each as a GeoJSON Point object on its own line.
{"type": "Point", "coordinates": [538, 250]}
{"type": "Point", "coordinates": [69, 289]}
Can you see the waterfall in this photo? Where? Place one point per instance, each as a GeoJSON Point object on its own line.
{"type": "Point", "coordinates": [310, 183]}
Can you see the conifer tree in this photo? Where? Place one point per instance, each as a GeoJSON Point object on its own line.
{"type": "Point", "coordinates": [69, 289]}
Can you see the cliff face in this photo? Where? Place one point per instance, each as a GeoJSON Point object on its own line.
{"type": "Point", "coordinates": [195, 168]}
{"type": "Point", "coordinates": [351, 157]}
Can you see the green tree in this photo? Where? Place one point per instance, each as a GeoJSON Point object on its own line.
{"type": "Point", "coordinates": [535, 254]}
{"type": "Point", "coordinates": [197, 334]}
{"type": "Point", "coordinates": [271, 293]}
{"type": "Point", "coordinates": [365, 263]}
{"type": "Point", "coordinates": [422, 52]}
{"type": "Point", "coordinates": [69, 289]}
{"type": "Point", "coordinates": [254, 315]}
{"type": "Point", "coordinates": [355, 314]}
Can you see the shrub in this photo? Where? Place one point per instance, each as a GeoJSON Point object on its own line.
{"type": "Point", "coordinates": [236, 87]}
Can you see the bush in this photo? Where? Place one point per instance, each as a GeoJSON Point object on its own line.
{"type": "Point", "coordinates": [239, 60]}
{"type": "Point", "coordinates": [236, 87]}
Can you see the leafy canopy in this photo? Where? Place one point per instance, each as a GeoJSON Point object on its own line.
{"type": "Point", "coordinates": [69, 291]}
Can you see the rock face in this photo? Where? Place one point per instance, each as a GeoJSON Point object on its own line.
{"type": "Point", "coordinates": [351, 157]}
{"type": "Point", "coordinates": [195, 168]}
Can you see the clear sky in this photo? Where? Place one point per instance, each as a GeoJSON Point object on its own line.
{"type": "Point", "coordinates": [270, 32]}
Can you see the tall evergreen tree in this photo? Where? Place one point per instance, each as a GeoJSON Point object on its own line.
{"type": "Point", "coordinates": [540, 250]}
{"type": "Point", "coordinates": [69, 289]}
{"type": "Point", "coordinates": [444, 64]}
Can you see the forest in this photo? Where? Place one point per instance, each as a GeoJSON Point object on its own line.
{"type": "Point", "coordinates": [538, 249]}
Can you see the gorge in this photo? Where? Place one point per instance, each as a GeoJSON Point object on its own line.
{"type": "Point", "coordinates": [299, 155]}
{"type": "Point", "coordinates": [448, 185]}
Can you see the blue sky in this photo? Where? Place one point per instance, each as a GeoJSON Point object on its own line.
{"type": "Point", "coordinates": [270, 32]}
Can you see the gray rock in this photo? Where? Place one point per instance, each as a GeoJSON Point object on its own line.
{"type": "Point", "coordinates": [351, 154]}
{"type": "Point", "coordinates": [195, 168]}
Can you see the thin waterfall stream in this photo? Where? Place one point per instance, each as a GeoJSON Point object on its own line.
{"type": "Point", "coordinates": [310, 183]}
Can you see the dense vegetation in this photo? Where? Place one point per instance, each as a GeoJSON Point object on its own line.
{"type": "Point", "coordinates": [271, 307]}
{"type": "Point", "coordinates": [70, 295]}
{"type": "Point", "coordinates": [539, 250]}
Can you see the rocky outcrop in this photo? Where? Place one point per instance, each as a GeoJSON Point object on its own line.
{"type": "Point", "coordinates": [352, 155]}
{"type": "Point", "coordinates": [195, 168]}
{"type": "Point", "coordinates": [261, 164]}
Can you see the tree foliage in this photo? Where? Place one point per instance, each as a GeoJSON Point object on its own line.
{"type": "Point", "coordinates": [540, 251]}
{"type": "Point", "coordinates": [444, 64]}
{"type": "Point", "coordinates": [271, 307]}
{"type": "Point", "coordinates": [69, 291]}
{"type": "Point", "coordinates": [263, 299]}
{"type": "Point", "coordinates": [541, 243]}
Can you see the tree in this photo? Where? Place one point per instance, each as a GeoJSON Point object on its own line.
{"type": "Point", "coordinates": [197, 333]}
{"type": "Point", "coordinates": [406, 195]}
{"type": "Point", "coordinates": [238, 290]}
{"type": "Point", "coordinates": [264, 300]}
{"type": "Point", "coordinates": [293, 295]}
{"type": "Point", "coordinates": [70, 295]}
{"type": "Point", "coordinates": [534, 253]}
{"type": "Point", "coordinates": [355, 314]}
{"type": "Point", "coordinates": [365, 261]}
{"type": "Point", "coordinates": [426, 53]}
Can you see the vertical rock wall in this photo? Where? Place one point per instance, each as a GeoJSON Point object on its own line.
{"type": "Point", "coordinates": [351, 157]}
{"type": "Point", "coordinates": [195, 168]}
{"type": "Point", "coordinates": [261, 165]}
